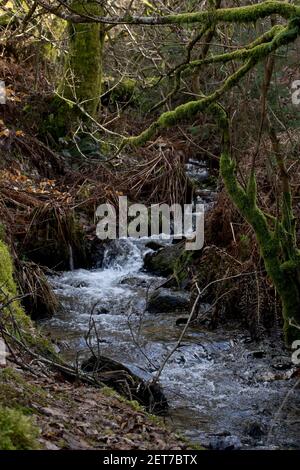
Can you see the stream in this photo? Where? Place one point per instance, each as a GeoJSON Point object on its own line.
{"type": "Point", "coordinates": [224, 390]}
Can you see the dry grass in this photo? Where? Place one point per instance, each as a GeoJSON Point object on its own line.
{"type": "Point", "coordinates": [39, 298]}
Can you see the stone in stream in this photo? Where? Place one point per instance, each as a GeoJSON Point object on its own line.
{"type": "Point", "coordinates": [134, 281]}
{"type": "Point", "coordinates": [166, 300]}
{"type": "Point", "coordinates": [225, 443]}
{"type": "Point", "coordinates": [154, 245]}
{"type": "Point", "coordinates": [255, 429]}
{"type": "Point", "coordinates": [126, 383]}
{"type": "Point", "coordinates": [163, 261]}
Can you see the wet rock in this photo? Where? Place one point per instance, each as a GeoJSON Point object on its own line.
{"type": "Point", "coordinates": [269, 376]}
{"type": "Point", "coordinates": [181, 321]}
{"type": "Point", "coordinates": [94, 252]}
{"type": "Point", "coordinates": [225, 443]}
{"type": "Point", "coordinates": [206, 194]}
{"type": "Point", "coordinates": [135, 282]}
{"type": "Point", "coordinates": [164, 260]}
{"type": "Point", "coordinates": [154, 245]}
{"type": "Point", "coordinates": [124, 381]}
{"type": "Point", "coordinates": [165, 300]}
{"type": "Point", "coordinates": [283, 365]}
{"type": "Point", "coordinates": [258, 354]}
{"type": "Point", "coordinates": [255, 429]}
{"type": "Point", "coordinates": [101, 311]}
{"type": "Point", "coordinates": [79, 284]}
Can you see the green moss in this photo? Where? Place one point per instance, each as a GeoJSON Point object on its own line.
{"type": "Point", "coordinates": [283, 275]}
{"type": "Point", "coordinates": [54, 30]}
{"type": "Point", "coordinates": [6, 19]}
{"type": "Point", "coordinates": [18, 393]}
{"type": "Point", "coordinates": [82, 83]}
{"type": "Point", "coordinates": [181, 267]}
{"type": "Point", "coordinates": [14, 309]}
{"type": "Point", "coordinates": [253, 49]}
{"type": "Point", "coordinates": [245, 14]}
{"type": "Point", "coordinates": [109, 392]}
{"type": "Point", "coordinates": [8, 287]}
{"type": "Point", "coordinates": [57, 123]}
{"type": "Point", "coordinates": [80, 88]}
{"type": "Point", "coordinates": [17, 432]}
{"type": "Point", "coordinates": [124, 91]}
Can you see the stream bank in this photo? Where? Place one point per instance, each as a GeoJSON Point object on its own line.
{"type": "Point", "coordinates": [74, 416]}
{"type": "Point", "coordinates": [224, 390]}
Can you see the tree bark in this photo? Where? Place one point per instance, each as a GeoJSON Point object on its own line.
{"type": "Point", "coordinates": [82, 81]}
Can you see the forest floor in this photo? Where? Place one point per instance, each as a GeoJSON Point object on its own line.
{"type": "Point", "coordinates": [80, 417]}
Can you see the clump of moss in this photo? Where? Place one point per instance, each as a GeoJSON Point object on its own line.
{"type": "Point", "coordinates": [8, 287]}
{"type": "Point", "coordinates": [13, 308]}
{"type": "Point", "coordinates": [17, 432]}
{"type": "Point", "coordinates": [124, 91]}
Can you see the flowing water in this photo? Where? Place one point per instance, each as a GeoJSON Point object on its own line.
{"type": "Point", "coordinates": [224, 391]}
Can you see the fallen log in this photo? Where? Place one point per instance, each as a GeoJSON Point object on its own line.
{"type": "Point", "coordinates": [126, 383]}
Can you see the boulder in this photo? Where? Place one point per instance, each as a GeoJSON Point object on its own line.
{"type": "Point", "coordinates": [163, 261]}
{"type": "Point", "coordinates": [154, 245]}
{"type": "Point", "coordinates": [225, 443]}
{"type": "Point", "coordinates": [166, 300]}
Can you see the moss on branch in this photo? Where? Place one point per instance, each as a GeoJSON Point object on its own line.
{"type": "Point", "coordinates": [188, 110]}
{"type": "Point", "coordinates": [248, 51]}
{"type": "Point", "coordinates": [244, 14]}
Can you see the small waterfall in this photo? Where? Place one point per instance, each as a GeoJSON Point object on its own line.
{"type": "Point", "coordinates": [217, 389]}
{"type": "Point", "coordinates": [123, 255]}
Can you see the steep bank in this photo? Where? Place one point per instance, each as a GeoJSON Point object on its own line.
{"type": "Point", "coordinates": [64, 415]}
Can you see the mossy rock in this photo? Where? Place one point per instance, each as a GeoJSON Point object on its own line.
{"type": "Point", "coordinates": [121, 92]}
{"type": "Point", "coordinates": [17, 431]}
{"type": "Point", "coordinates": [60, 115]}
{"type": "Point", "coordinates": [163, 261]}
{"type": "Point", "coordinates": [128, 384]}
{"type": "Point", "coordinates": [8, 287]}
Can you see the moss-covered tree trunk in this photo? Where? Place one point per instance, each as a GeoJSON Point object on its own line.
{"type": "Point", "coordinates": [80, 88]}
{"type": "Point", "coordinates": [281, 257]}
{"type": "Point", "coordinates": [82, 82]}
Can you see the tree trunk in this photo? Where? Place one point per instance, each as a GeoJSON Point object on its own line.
{"type": "Point", "coordinates": [82, 82]}
{"type": "Point", "coordinates": [289, 291]}
{"type": "Point", "coordinates": [284, 274]}
{"type": "Point", "coordinates": [80, 88]}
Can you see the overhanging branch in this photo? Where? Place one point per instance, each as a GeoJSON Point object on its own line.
{"type": "Point", "coordinates": [245, 14]}
{"type": "Point", "coordinates": [192, 108]}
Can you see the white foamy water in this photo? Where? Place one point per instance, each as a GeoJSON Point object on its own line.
{"type": "Point", "coordinates": [214, 385]}
{"type": "Point", "coordinates": [211, 384]}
